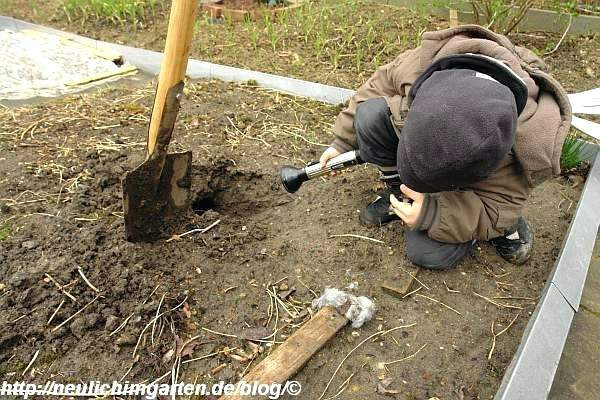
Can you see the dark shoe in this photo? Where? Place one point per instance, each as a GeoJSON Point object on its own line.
{"type": "Point", "coordinates": [515, 246]}
{"type": "Point", "coordinates": [378, 212]}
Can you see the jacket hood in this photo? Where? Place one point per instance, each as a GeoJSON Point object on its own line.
{"type": "Point", "coordinates": [546, 117]}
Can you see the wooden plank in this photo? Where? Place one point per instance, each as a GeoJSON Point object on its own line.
{"type": "Point", "coordinates": [402, 284]}
{"type": "Point", "coordinates": [292, 354]}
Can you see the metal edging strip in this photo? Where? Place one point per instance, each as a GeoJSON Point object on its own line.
{"type": "Point", "coordinates": [531, 371]}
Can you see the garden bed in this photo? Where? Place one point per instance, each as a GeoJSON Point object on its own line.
{"type": "Point", "coordinates": [61, 210]}
{"type": "Point", "coordinates": [334, 42]}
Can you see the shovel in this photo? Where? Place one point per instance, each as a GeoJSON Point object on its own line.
{"type": "Point", "coordinates": [157, 192]}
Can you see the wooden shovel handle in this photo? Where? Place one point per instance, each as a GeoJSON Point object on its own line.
{"type": "Point", "coordinates": [174, 62]}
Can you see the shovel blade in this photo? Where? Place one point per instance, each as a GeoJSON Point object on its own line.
{"type": "Point", "coordinates": [155, 196]}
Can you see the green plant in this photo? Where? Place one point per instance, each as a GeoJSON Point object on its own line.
{"type": "Point", "coordinates": [335, 55]}
{"type": "Point", "coordinates": [571, 155]}
{"type": "Point", "coordinates": [115, 11]}
{"type": "Point", "coordinates": [272, 31]}
{"type": "Point", "coordinates": [500, 15]}
{"type": "Point", "coordinates": [358, 58]}
{"type": "Point", "coordinates": [4, 231]}
{"type": "Point", "coordinates": [253, 33]}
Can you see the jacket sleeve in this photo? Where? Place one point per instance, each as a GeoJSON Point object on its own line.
{"type": "Point", "coordinates": [483, 211]}
{"type": "Point", "coordinates": [380, 84]}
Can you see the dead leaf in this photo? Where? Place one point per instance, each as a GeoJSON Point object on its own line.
{"type": "Point", "coordinates": [285, 294]}
{"type": "Point", "coordinates": [302, 314]}
{"type": "Point", "coordinates": [382, 388]}
{"type": "Point", "coordinates": [184, 349]}
{"type": "Point", "coordinates": [168, 356]}
{"type": "Point", "coordinates": [186, 310]}
{"type": "Point", "coordinates": [256, 333]}
{"type": "Point", "coordinates": [218, 369]}
{"type": "Point", "coordinates": [238, 358]}
{"type": "Point", "coordinates": [242, 353]}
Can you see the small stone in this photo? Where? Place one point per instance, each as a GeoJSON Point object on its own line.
{"type": "Point", "coordinates": [29, 244]}
{"type": "Point", "coordinates": [78, 327]}
{"type": "Point", "coordinates": [590, 72]}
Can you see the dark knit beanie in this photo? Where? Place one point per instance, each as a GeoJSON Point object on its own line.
{"type": "Point", "coordinates": [460, 126]}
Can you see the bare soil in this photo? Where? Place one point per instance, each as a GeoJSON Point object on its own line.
{"type": "Point", "coordinates": [61, 165]}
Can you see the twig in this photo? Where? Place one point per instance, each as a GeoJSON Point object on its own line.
{"type": "Point", "coordinates": [200, 230]}
{"type": "Point", "coordinates": [279, 281]}
{"type": "Point", "coordinates": [450, 290]}
{"type": "Point", "coordinates": [122, 325]}
{"type": "Point", "coordinates": [497, 303]}
{"type": "Point", "coordinates": [495, 335]}
{"type": "Point", "coordinates": [276, 305]}
{"type": "Point", "coordinates": [209, 355]}
{"type": "Point", "coordinates": [413, 292]}
{"type": "Point", "coordinates": [61, 288]}
{"type": "Point", "coordinates": [30, 363]}
{"type": "Point", "coordinates": [130, 368]}
{"type": "Point", "coordinates": [415, 278]}
{"type": "Point", "coordinates": [562, 38]}
{"type": "Point", "coordinates": [405, 358]}
{"type": "Point", "coordinates": [283, 305]}
{"type": "Point", "coordinates": [342, 387]}
{"type": "Point", "coordinates": [297, 135]}
{"type": "Point", "coordinates": [85, 279]}
{"type": "Point", "coordinates": [358, 237]}
{"type": "Point", "coordinates": [56, 311]}
{"type": "Point", "coordinates": [74, 315]}
{"type": "Point", "coordinates": [24, 315]}
{"type": "Point", "coordinates": [219, 333]}
{"type": "Point", "coordinates": [439, 302]}
{"type": "Point", "coordinates": [152, 321]}
{"type": "Point", "coordinates": [356, 347]}
{"type": "Point", "coordinates": [156, 318]}
{"type": "Point", "coordinates": [515, 297]}
{"type": "Point", "coordinates": [160, 378]}
{"type": "Point", "coordinates": [306, 286]}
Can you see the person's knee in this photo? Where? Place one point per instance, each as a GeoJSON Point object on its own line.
{"type": "Point", "coordinates": [429, 260]}
{"type": "Point", "coordinates": [371, 115]}
{"type": "Point", "coordinates": [428, 253]}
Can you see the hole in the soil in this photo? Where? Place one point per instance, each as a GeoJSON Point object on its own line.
{"type": "Point", "coordinates": [204, 202]}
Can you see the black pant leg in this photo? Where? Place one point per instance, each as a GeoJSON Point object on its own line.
{"type": "Point", "coordinates": [377, 139]}
{"type": "Point", "coordinates": [429, 253]}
